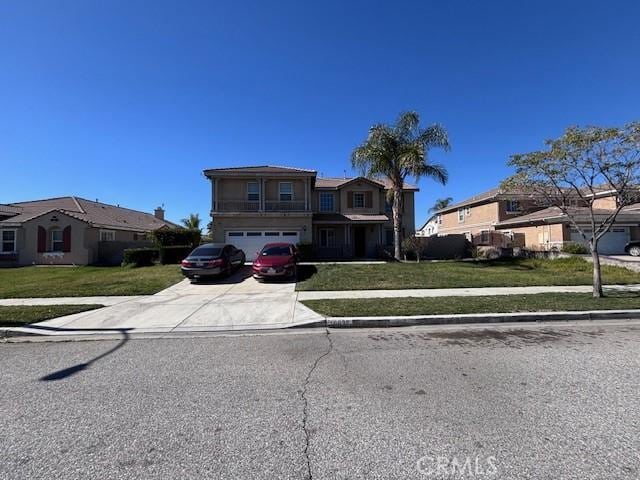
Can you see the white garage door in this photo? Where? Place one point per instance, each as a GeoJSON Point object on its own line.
{"type": "Point", "coordinates": [252, 241]}
{"type": "Point", "coordinates": [612, 243]}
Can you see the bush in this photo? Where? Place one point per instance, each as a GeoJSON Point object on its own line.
{"type": "Point", "coordinates": [174, 254]}
{"type": "Point", "coordinates": [305, 250]}
{"type": "Point", "coordinates": [487, 253]}
{"type": "Point", "coordinates": [575, 248]}
{"type": "Point", "coordinates": [139, 257]}
{"type": "Point", "coordinates": [178, 237]}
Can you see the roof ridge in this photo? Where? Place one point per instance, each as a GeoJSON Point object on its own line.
{"type": "Point", "coordinates": [263, 166]}
{"type": "Point", "coordinates": [41, 200]}
{"type": "Point", "coordinates": [116, 206]}
{"type": "Point", "coordinates": [75, 200]}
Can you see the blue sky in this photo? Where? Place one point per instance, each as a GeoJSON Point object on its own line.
{"type": "Point", "coordinates": [128, 101]}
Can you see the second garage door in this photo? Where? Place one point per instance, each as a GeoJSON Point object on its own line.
{"type": "Point", "coordinates": [613, 242]}
{"type": "Point", "coordinates": [252, 241]}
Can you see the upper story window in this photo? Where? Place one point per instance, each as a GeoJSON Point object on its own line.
{"type": "Point", "coordinates": [8, 244]}
{"type": "Point", "coordinates": [467, 211]}
{"type": "Point", "coordinates": [57, 243]}
{"type": "Point", "coordinates": [285, 191]}
{"type": "Point", "coordinates": [253, 192]}
{"type": "Point", "coordinates": [512, 206]}
{"type": "Point", "coordinates": [109, 236]}
{"type": "Point", "coordinates": [461, 215]}
{"type": "Point", "coordinates": [358, 199]}
{"type": "Point", "coordinates": [327, 202]}
{"type": "Point", "coordinates": [439, 219]}
{"type": "Point", "coordinates": [388, 206]}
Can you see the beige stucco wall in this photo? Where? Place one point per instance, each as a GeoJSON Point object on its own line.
{"type": "Point", "coordinates": [605, 203]}
{"type": "Point", "coordinates": [482, 217]}
{"type": "Point", "coordinates": [222, 224]}
{"type": "Point", "coordinates": [360, 187]}
{"type": "Point", "coordinates": [81, 251]}
{"type": "Point", "coordinates": [235, 189]}
{"type": "Point", "coordinates": [543, 236]}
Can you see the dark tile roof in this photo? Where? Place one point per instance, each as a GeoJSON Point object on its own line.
{"type": "Point", "coordinates": [94, 213]}
{"type": "Point", "coordinates": [349, 218]}
{"type": "Point", "coordinates": [257, 169]}
{"type": "Point", "coordinates": [335, 183]}
{"type": "Point", "coordinates": [555, 215]}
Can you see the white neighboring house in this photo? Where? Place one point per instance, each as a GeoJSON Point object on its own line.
{"type": "Point", "coordinates": [430, 228]}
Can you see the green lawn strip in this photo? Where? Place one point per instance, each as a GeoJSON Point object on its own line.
{"type": "Point", "coordinates": [41, 282]}
{"type": "Point", "coordinates": [540, 302]}
{"type": "Point", "coordinates": [456, 274]}
{"type": "Point", "coordinates": [16, 316]}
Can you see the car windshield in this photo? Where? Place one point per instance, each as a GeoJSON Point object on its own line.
{"type": "Point", "coordinates": [206, 252]}
{"type": "Point", "coordinates": [276, 252]}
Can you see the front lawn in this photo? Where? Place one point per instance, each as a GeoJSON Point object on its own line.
{"type": "Point", "coordinates": [29, 282]}
{"type": "Point", "coordinates": [541, 302]}
{"type": "Point", "coordinates": [23, 315]}
{"type": "Point", "coordinates": [453, 274]}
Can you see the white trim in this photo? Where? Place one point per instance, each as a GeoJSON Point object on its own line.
{"type": "Point", "coordinates": [113, 232]}
{"type": "Point", "coordinates": [280, 193]}
{"type": "Point", "coordinates": [15, 240]}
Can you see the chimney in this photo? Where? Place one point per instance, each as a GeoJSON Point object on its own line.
{"type": "Point", "coordinates": [159, 213]}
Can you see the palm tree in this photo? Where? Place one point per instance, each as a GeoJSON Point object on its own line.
{"type": "Point", "coordinates": [398, 151]}
{"type": "Point", "coordinates": [440, 204]}
{"type": "Point", "coordinates": [193, 222]}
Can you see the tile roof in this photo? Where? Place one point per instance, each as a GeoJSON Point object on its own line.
{"type": "Point", "coordinates": [334, 183]}
{"type": "Point", "coordinates": [94, 213]}
{"type": "Point", "coordinates": [258, 169]}
{"type": "Point", "coordinates": [555, 215]}
{"type": "Point", "coordinates": [349, 218]}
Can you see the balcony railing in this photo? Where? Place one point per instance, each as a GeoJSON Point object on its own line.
{"type": "Point", "coordinates": [269, 206]}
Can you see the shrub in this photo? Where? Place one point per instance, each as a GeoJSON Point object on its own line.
{"type": "Point", "coordinates": [575, 248]}
{"type": "Point", "coordinates": [487, 253]}
{"type": "Point", "coordinates": [305, 250]}
{"type": "Point", "coordinates": [170, 237]}
{"type": "Point", "coordinates": [139, 257]}
{"type": "Point", "coordinates": [174, 254]}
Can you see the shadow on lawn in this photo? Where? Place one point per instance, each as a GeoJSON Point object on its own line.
{"type": "Point", "coordinates": [68, 372]}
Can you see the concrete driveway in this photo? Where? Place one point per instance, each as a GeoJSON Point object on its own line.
{"type": "Point", "coordinates": [235, 303]}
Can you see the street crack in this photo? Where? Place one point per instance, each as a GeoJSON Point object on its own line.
{"type": "Point", "coordinates": [305, 413]}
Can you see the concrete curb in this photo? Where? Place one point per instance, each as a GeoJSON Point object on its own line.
{"type": "Point", "coordinates": [475, 318]}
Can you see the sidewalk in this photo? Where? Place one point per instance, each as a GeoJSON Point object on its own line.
{"type": "Point", "coordinates": [458, 292]}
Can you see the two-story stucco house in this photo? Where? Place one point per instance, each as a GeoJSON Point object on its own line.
{"type": "Point", "coordinates": [340, 217]}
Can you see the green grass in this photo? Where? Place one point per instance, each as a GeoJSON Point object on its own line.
{"type": "Point", "coordinates": [453, 274]}
{"type": "Point", "coordinates": [23, 315]}
{"type": "Point", "coordinates": [85, 281]}
{"type": "Point", "coordinates": [540, 302]}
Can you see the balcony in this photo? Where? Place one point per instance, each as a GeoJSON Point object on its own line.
{"type": "Point", "coordinates": [269, 206]}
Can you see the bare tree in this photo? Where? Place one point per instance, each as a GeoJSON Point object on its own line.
{"type": "Point", "coordinates": [575, 170]}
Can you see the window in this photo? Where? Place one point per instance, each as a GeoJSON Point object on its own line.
{"type": "Point", "coordinates": [358, 199]}
{"type": "Point", "coordinates": [236, 234]}
{"type": "Point", "coordinates": [289, 234]}
{"type": "Point", "coordinates": [439, 219]}
{"type": "Point", "coordinates": [460, 215]}
{"type": "Point", "coordinates": [57, 245]}
{"type": "Point", "coordinates": [8, 244]}
{"type": "Point", "coordinates": [271, 234]}
{"type": "Point", "coordinates": [326, 202]}
{"type": "Point", "coordinates": [253, 192]}
{"type": "Point", "coordinates": [254, 234]}
{"type": "Point", "coordinates": [327, 237]}
{"type": "Point", "coordinates": [109, 236]}
{"type": "Point", "coordinates": [467, 211]}
{"type": "Point", "coordinates": [285, 190]}
{"type": "Point", "coordinates": [484, 236]}
{"type": "Point", "coordinates": [388, 206]}
{"type": "Point", "coordinates": [512, 206]}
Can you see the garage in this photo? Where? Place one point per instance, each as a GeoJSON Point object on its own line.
{"type": "Point", "coordinates": [252, 241]}
{"type": "Point", "coordinates": [612, 243]}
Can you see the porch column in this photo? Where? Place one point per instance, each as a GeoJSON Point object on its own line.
{"type": "Point", "coordinates": [306, 193]}
{"type": "Point", "coordinates": [214, 184]}
{"type": "Point", "coordinates": [262, 193]}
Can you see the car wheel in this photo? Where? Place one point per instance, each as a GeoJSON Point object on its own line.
{"type": "Point", "coordinates": [634, 251]}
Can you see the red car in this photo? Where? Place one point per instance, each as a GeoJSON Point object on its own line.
{"type": "Point", "coordinates": [276, 260]}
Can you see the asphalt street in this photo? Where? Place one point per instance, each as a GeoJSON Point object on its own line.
{"type": "Point", "coordinates": [425, 402]}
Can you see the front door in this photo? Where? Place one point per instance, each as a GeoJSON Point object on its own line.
{"type": "Point", "coordinates": [359, 241]}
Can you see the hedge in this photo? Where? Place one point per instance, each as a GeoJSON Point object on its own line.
{"type": "Point", "coordinates": [169, 237]}
{"type": "Point", "coordinates": [140, 257]}
{"type": "Point", "coordinates": [174, 254]}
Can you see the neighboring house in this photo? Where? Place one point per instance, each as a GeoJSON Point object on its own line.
{"type": "Point", "coordinates": [340, 217]}
{"type": "Point", "coordinates": [482, 212]}
{"type": "Point", "coordinates": [430, 228]}
{"type": "Point", "coordinates": [518, 216]}
{"type": "Point", "coordinates": [72, 231]}
{"type": "Point", "coordinates": [551, 227]}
